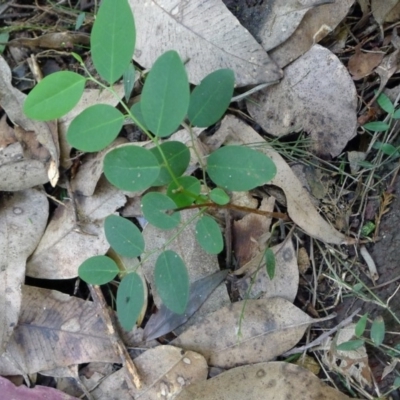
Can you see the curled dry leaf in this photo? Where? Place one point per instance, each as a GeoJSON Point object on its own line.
{"type": "Point", "coordinates": [164, 371]}
{"type": "Point", "coordinates": [11, 101]}
{"type": "Point", "coordinates": [65, 245]}
{"type": "Point", "coordinates": [299, 205]}
{"type": "Point", "coordinates": [269, 328]}
{"type": "Point", "coordinates": [23, 218]}
{"type": "Point", "coordinates": [285, 282]}
{"type": "Point", "coordinates": [55, 330]}
{"type": "Point", "coordinates": [273, 380]}
{"type": "Point", "coordinates": [316, 24]}
{"type": "Point", "coordinates": [206, 35]}
{"type": "Point", "coordinates": [318, 95]}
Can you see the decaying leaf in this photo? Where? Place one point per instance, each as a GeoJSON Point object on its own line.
{"type": "Point", "coordinates": [55, 330]}
{"type": "Point", "coordinates": [382, 10]}
{"type": "Point", "coordinates": [285, 282]}
{"type": "Point", "coordinates": [316, 24]}
{"type": "Point", "coordinates": [164, 371]}
{"type": "Point", "coordinates": [273, 380]}
{"type": "Point", "coordinates": [206, 35]}
{"type": "Point", "coordinates": [65, 245]}
{"type": "Point", "coordinates": [269, 328]}
{"type": "Point", "coordinates": [300, 207]}
{"type": "Point", "coordinates": [362, 64]}
{"type": "Point", "coordinates": [318, 95]}
{"type": "Point", "coordinates": [23, 218]}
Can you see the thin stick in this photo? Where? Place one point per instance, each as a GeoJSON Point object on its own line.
{"type": "Point", "coordinates": [132, 377]}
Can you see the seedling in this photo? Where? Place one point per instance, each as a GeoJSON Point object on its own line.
{"type": "Point", "coordinates": [166, 104]}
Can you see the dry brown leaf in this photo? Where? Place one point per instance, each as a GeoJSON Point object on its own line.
{"type": "Point", "coordinates": [300, 207]}
{"type": "Point", "coordinates": [362, 64]}
{"type": "Point", "coordinates": [164, 371]}
{"type": "Point", "coordinates": [273, 380]}
{"type": "Point", "coordinates": [285, 282]}
{"type": "Point", "coordinates": [198, 262]}
{"type": "Point", "coordinates": [381, 10]}
{"type": "Point", "coordinates": [23, 218]}
{"type": "Point", "coordinates": [316, 24]}
{"type": "Point", "coordinates": [269, 328]}
{"type": "Point", "coordinates": [55, 330]}
{"type": "Point", "coordinates": [205, 34]}
{"type": "Point", "coordinates": [63, 246]}
{"type": "Point", "coordinates": [7, 135]}
{"type": "Point", "coordinates": [318, 95]}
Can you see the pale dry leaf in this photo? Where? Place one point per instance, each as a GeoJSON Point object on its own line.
{"type": "Point", "coordinates": [198, 262]}
{"type": "Point", "coordinates": [23, 218]}
{"type": "Point", "coordinates": [316, 24]}
{"type": "Point", "coordinates": [362, 64]}
{"type": "Point", "coordinates": [11, 100]}
{"type": "Point", "coordinates": [381, 9]}
{"type": "Point", "coordinates": [248, 332]}
{"type": "Point", "coordinates": [7, 135]}
{"type": "Point", "coordinates": [272, 380]}
{"type": "Point", "coordinates": [63, 246]}
{"type": "Point", "coordinates": [285, 282]}
{"type": "Point", "coordinates": [55, 330]}
{"type": "Point", "coordinates": [164, 371]}
{"type": "Point", "coordinates": [89, 98]}
{"type": "Point", "coordinates": [318, 95]}
{"type": "Point", "coordinates": [206, 36]}
{"type": "Point", "coordinates": [299, 205]}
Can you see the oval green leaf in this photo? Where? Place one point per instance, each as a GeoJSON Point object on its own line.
{"type": "Point", "coordinates": [270, 263]}
{"type": "Point", "coordinates": [187, 183]}
{"type": "Point", "coordinates": [210, 100]}
{"type": "Point", "coordinates": [385, 103]}
{"type": "Point", "coordinates": [124, 236]}
{"type": "Point", "coordinates": [239, 168]}
{"type": "Point", "coordinates": [54, 96]}
{"type": "Point", "coordinates": [178, 158]}
{"type": "Point", "coordinates": [361, 325]}
{"type": "Point", "coordinates": [130, 300]}
{"type": "Point", "coordinates": [378, 331]}
{"type": "Point", "coordinates": [165, 95]}
{"type": "Point", "coordinates": [136, 111]}
{"type": "Point", "coordinates": [112, 40]}
{"type": "Point", "coordinates": [157, 208]}
{"type": "Point", "coordinates": [131, 168]}
{"type": "Point", "coordinates": [376, 126]}
{"type": "Point", "coordinates": [219, 196]}
{"type": "Point", "coordinates": [350, 345]}
{"type": "Point", "coordinates": [396, 114]}
{"type": "Point", "coordinates": [129, 81]}
{"type": "Point", "coordinates": [98, 270]}
{"type": "Point", "coordinates": [209, 236]}
{"type": "Point", "coordinates": [95, 128]}
{"type": "Point", "coordinates": [172, 281]}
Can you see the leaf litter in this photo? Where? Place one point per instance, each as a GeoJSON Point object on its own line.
{"type": "Point", "coordinates": [45, 330]}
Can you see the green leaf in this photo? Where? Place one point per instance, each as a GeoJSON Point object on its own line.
{"type": "Point", "coordinates": [136, 111]}
{"type": "Point", "coordinates": [130, 300]}
{"type": "Point", "coordinates": [54, 96]}
{"type": "Point", "coordinates": [112, 40]}
{"type": "Point", "coordinates": [156, 209]}
{"type": "Point", "coordinates": [239, 168]}
{"type": "Point", "coordinates": [376, 126]}
{"type": "Point", "coordinates": [361, 324]}
{"type": "Point", "coordinates": [129, 81]}
{"type": "Point", "coordinates": [219, 196]}
{"type": "Point", "coordinates": [270, 262]}
{"type": "Point", "coordinates": [209, 236]}
{"type": "Point", "coordinates": [95, 128]}
{"type": "Point", "coordinates": [124, 236]}
{"type": "Point", "coordinates": [187, 183]}
{"type": "Point", "coordinates": [386, 148]}
{"type": "Point", "coordinates": [350, 345]}
{"type": "Point", "coordinates": [178, 158]}
{"type": "Point", "coordinates": [80, 19]}
{"type": "Point", "coordinates": [396, 114]}
{"type": "Point", "coordinates": [385, 103]}
{"type": "Point", "coordinates": [396, 383]}
{"type": "Point", "coordinates": [98, 270]}
{"type": "Point", "coordinates": [358, 287]}
{"type": "Point", "coordinates": [378, 331]}
{"type": "Point", "coordinates": [172, 281]}
{"type": "Point", "coordinates": [210, 100]}
{"type": "Point", "coordinates": [131, 168]}
{"type": "Point", "coordinates": [165, 95]}
{"type": "Point", "coordinates": [368, 228]}
{"type": "Point", "coordinates": [4, 39]}
{"type": "Point", "coordinates": [365, 164]}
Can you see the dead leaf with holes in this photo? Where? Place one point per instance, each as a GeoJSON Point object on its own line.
{"type": "Point", "coordinates": [317, 95]}
{"type": "Point", "coordinates": [362, 64]}
{"type": "Point", "coordinates": [65, 245]}
{"type": "Point", "coordinates": [23, 218]}
{"type": "Point", "coordinates": [164, 371]}
{"type": "Point", "coordinates": [55, 330]}
{"type": "Point", "coordinates": [246, 332]}
{"type": "Point", "coordinates": [272, 380]}
{"type": "Point", "coordinates": [206, 36]}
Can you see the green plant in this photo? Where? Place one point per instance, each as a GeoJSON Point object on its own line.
{"type": "Point", "coordinates": [166, 103]}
